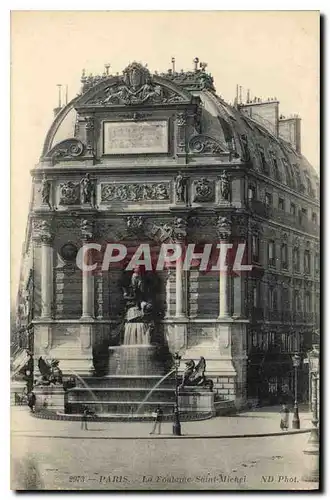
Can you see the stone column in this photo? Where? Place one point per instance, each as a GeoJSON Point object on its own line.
{"type": "Point", "coordinates": [99, 295]}
{"type": "Point", "coordinates": [46, 238]}
{"type": "Point", "coordinates": [87, 276]}
{"type": "Point", "coordinates": [179, 287]}
{"type": "Point", "coordinates": [224, 232]}
{"type": "Point", "coordinates": [179, 236]}
{"type": "Point", "coordinates": [181, 121]}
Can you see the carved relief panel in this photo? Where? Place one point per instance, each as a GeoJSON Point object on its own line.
{"type": "Point", "coordinates": [137, 192]}
{"type": "Point", "coordinates": [203, 190]}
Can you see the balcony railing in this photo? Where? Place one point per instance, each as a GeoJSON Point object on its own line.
{"type": "Point", "coordinates": [259, 208]}
{"type": "Point", "coordinates": [257, 313]}
{"type": "Point", "coordinates": [302, 223]}
{"type": "Point", "coordinates": [274, 315]}
{"type": "Point", "coordinates": [286, 316]}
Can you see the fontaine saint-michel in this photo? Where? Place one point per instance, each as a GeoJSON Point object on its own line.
{"type": "Point", "coordinates": [153, 159]}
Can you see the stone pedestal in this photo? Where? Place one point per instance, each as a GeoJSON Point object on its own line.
{"type": "Point", "coordinates": [50, 398]}
{"type": "Point", "coordinates": [196, 400]}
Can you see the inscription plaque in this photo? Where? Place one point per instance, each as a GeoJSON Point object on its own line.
{"type": "Point", "coordinates": [135, 138]}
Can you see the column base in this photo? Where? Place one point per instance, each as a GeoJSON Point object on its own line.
{"type": "Point", "coordinates": [87, 318]}
{"type": "Point", "coordinates": [224, 316]}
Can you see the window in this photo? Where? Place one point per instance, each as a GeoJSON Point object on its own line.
{"type": "Point", "coordinates": [300, 184]}
{"type": "Point", "coordinates": [285, 299]}
{"type": "Point", "coordinates": [281, 204]}
{"type": "Point", "coordinates": [284, 256]}
{"type": "Point", "coordinates": [292, 209]}
{"type": "Point", "coordinates": [272, 299]}
{"type": "Point", "coordinates": [268, 199]}
{"type": "Point", "coordinates": [310, 189]}
{"type": "Point", "coordinates": [276, 169]}
{"type": "Point", "coordinates": [307, 262]}
{"type": "Point", "coordinates": [296, 301]}
{"type": "Point", "coordinates": [296, 260]}
{"type": "Point", "coordinates": [271, 253]}
{"type": "Point", "coordinates": [255, 248]}
{"type": "Point", "coordinates": [264, 163]}
{"type": "Point", "coordinates": [317, 263]}
{"type": "Point", "coordinates": [287, 172]}
{"type": "Point", "coordinates": [302, 215]}
{"type": "Point", "coordinates": [255, 296]}
{"type": "Point", "coordinates": [308, 302]}
{"type": "Point", "coordinates": [314, 218]}
{"type": "Point", "coordinates": [251, 193]}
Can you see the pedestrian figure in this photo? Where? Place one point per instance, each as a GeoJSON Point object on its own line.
{"type": "Point", "coordinates": [158, 415]}
{"type": "Point", "coordinates": [284, 425]}
{"type": "Point", "coordinates": [84, 419]}
{"type": "Point", "coordinates": [32, 401]}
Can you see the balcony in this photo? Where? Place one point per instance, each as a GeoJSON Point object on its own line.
{"type": "Point", "coordinates": [287, 316]}
{"type": "Point", "coordinates": [259, 208]}
{"type": "Point", "coordinates": [274, 315]}
{"type": "Point", "coordinates": [301, 223]}
{"type": "Point", "coordinates": [257, 314]}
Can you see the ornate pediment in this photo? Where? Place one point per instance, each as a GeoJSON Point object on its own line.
{"type": "Point", "coordinates": [136, 86]}
{"type": "Point", "coordinates": [204, 144]}
{"type": "Point", "coordinates": [66, 150]}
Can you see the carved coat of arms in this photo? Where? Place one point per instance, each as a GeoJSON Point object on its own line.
{"type": "Point", "coordinates": [135, 87]}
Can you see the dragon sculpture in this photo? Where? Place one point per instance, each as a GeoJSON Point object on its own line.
{"type": "Point", "coordinates": [194, 375]}
{"type": "Point", "coordinates": [50, 372]}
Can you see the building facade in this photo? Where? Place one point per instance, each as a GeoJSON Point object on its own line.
{"type": "Point", "coordinates": [152, 158]}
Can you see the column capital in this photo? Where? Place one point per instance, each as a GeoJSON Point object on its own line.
{"type": "Point", "coordinates": [87, 230]}
{"type": "Point", "coordinates": [179, 226]}
{"type": "Point", "coordinates": [223, 227]}
{"type": "Point", "coordinates": [43, 231]}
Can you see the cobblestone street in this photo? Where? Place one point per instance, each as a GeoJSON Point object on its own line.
{"type": "Point", "coordinates": [62, 456]}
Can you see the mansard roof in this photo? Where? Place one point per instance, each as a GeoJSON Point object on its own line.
{"type": "Point", "coordinates": [269, 154]}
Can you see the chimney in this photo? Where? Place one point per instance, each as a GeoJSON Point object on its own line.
{"type": "Point", "coordinates": [290, 131]}
{"type": "Point", "coordinates": [265, 112]}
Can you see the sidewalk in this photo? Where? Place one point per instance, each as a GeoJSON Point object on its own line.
{"type": "Point", "coordinates": [261, 421]}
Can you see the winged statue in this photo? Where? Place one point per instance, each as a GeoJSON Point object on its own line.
{"type": "Point", "coordinates": [194, 375]}
{"type": "Point", "coordinates": [50, 372]}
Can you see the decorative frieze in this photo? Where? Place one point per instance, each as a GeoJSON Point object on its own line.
{"type": "Point", "coordinates": [135, 192]}
{"type": "Point", "coordinates": [203, 190]}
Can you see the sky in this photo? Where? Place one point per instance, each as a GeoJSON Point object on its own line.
{"type": "Point", "coordinates": [272, 53]}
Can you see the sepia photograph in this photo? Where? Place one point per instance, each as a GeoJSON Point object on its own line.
{"type": "Point", "coordinates": [165, 250]}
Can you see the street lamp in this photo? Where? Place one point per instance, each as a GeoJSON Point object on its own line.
{"type": "Point", "coordinates": [295, 418]}
{"type": "Point", "coordinates": [312, 451]}
{"type": "Point", "coordinates": [176, 421]}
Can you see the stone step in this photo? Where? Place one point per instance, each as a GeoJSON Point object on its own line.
{"type": "Point", "coordinates": [121, 395]}
{"type": "Point", "coordinates": [130, 382]}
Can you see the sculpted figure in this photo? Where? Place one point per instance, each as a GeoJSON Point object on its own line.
{"type": "Point", "coordinates": [45, 191]}
{"type": "Point", "coordinates": [194, 375]}
{"type": "Point", "coordinates": [180, 188]}
{"type": "Point", "coordinates": [224, 186]}
{"type": "Point", "coordinates": [139, 322]}
{"type": "Point", "coordinates": [87, 189]}
{"type": "Point", "coordinates": [50, 372]}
